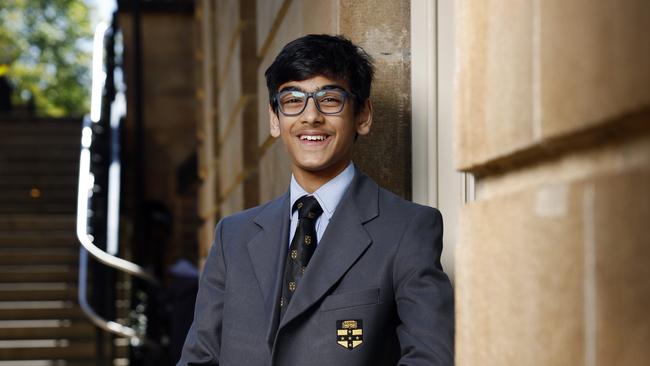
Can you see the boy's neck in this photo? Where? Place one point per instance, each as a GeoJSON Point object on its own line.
{"type": "Point", "coordinates": [311, 181]}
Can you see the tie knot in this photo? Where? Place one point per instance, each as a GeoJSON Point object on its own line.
{"type": "Point", "coordinates": [307, 207]}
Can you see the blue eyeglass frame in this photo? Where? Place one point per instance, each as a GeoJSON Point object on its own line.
{"type": "Point", "coordinates": [346, 95]}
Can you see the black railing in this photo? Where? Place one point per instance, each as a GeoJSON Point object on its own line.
{"type": "Point", "coordinates": [98, 218]}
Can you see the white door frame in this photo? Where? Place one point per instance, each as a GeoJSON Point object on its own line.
{"type": "Point", "coordinates": [435, 181]}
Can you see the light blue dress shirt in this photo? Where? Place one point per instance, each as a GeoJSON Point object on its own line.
{"type": "Point", "coordinates": [328, 196]}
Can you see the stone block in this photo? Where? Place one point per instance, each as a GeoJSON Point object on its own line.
{"type": "Point", "coordinates": [321, 18]}
{"type": "Point", "coordinates": [291, 27]}
{"type": "Point", "coordinates": [230, 91]}
{"type": "Point", "coordinates": [227, 18]}
{"type": "Point", "coordinates": [233, 203]}
{"type": "Point", "coordinates": [622, 274]}
{"type": "Point", "coordinates": [556, 273]}
{"type": "Point", "coordinates": [531, 71]}
{"type": "Point", "coordinates": [267, 12]}
{"type": "Point", "coordinates": [519, 265]}
{"type": "Point", "coordinates": [275, 172]}
{"type": "Point", "coordinates": [205, 237]}
{"type": "Point", "coordinates": [493, 102]}
{"type": "Point", "coordinates": [383, 30]}
{"type": "Point", "coordinates": [263, 99]}
{"type": "Point", "coordinates": [287, 31]}
{"type": "Point", "coordinates": [230, 158]}
{"type": "Point", "coordinates": [594, 58]}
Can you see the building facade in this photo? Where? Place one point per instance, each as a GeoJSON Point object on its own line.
{"type": "Point", "coordinates": [525, 122]}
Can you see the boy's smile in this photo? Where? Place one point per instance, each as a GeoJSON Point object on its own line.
{"type": "Point", "coordinates": [320, 144]}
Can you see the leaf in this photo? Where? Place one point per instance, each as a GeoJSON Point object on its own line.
{"type": "Point", "coordinates": [45, 53]}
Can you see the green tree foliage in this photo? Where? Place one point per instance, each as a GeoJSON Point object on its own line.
{"type": "Point", "coordinates": [45, 50]}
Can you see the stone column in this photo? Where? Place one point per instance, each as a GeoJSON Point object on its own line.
{"type": "Point", "coordinates": [553, 119]}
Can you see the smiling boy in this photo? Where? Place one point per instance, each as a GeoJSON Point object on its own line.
{"type": "Point", "coordinates": [337, 271]}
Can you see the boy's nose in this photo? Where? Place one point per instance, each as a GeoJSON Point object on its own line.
{"type": "Point", "coordinates": [311, 113]}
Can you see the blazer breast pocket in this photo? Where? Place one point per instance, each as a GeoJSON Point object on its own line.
{"type": "Point", "coordinates": [351, 299]}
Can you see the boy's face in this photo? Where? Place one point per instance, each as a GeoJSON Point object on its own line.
{"type": "Point", "coordinates": [320, 144]}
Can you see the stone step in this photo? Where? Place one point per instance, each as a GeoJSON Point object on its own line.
{"type": "Point", "coordinates": [36, 222]}
{"type": "Point", "coordinates": [26, 141]}
{"type": "Point", "coordinates": [13, 256]}
{"type": "Point", "coordinates": [65, 274]}
{"type": "Point", "coordinates": [9, 122]}
{"type": "Point", "coordinates": [69, 312]}
{"type": "Point", "coordinates": [38, 193]}
{"type": "Point", "coordinates": [17, 193]}
{"type": "Point", "coordinates": [50, 134]}
{"type": "Point", "coordinates": [39, 153]}
{"type": "Point", "coordinates": [92, 362]}
{"type": "Point", "coordinates": [77, 350]}
{"type": "Point", "coordinates": [49, 196]}
{"type": "Point", "coordinates": [66, 181]}
{"type": "Point", "coordinates": [38, 202]}
{"type": "Point", "coordinates": [64, 330]}
{"type": "Point", "coordinates": [39, 239]}
{"type": "Point", "coordinates": [43, 208]}
{"type": "Point", "coordinates": [69, 153]}
{"type": "Point", "coordinates": [41, 143]}
{"type": "Point", "coordinates": [17, 168]}
{"type": "Point", "coordinates": [38, 292]}
{"type": "Point", "coordinates": [40, 177]}
{"type": "Point", "coordinates": [53, 133]}
{"type": "Point", "coordinates": [40, 129]}
{"type": "Point", "coordinates": [49, 206]}
{"type": "Point", "coordinates": [57, 168]}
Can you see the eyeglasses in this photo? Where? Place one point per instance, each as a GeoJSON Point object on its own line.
{"type": "Point", "coordinates": [328, 101]}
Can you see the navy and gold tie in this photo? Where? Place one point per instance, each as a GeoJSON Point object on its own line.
{"type": "Point", "coordinates": [302, 246]}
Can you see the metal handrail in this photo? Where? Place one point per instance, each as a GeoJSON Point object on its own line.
{"type": "Point", "coordinates": [87, 246]}
{"type": "Point", "coordinates": [85, 186]}
{"type": "Point", "coordinates": [86, 183]}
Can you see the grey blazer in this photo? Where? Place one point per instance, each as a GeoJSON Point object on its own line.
{"type": "Point", "coordinates": [374, 292]}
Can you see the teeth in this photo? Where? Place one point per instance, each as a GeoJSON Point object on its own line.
{"type": "Point", "coordinates": [312, 138]}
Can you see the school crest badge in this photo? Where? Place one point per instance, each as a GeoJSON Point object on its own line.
{"type": "Point", "coordinates": [349, 333]}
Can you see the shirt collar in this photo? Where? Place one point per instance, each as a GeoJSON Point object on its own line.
{"type": "Point", "coordinates": [329, 194]}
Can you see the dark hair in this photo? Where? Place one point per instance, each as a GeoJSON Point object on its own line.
{"type": "Point", "coordinates": [335, 57]}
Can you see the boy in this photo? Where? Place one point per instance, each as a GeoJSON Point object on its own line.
{"type": "Point", "coordinates": [337, 271]}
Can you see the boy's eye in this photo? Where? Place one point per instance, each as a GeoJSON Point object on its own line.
{"type": "Point", "coordinates": [330, 99]}
{"type": "Point", "coordinates": [293, 100]}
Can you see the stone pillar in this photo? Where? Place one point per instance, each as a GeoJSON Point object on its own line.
{"type": "Point", "coordinates": [383, 29]}
{"type": "Point", "coordinates": [250, 166]}
{"type": "Point", "coordinates": [553, 119]}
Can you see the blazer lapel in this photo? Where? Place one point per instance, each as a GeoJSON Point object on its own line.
{"type": "Point", "coordinates": [267, 250]}
{"type": "Point", "coordinates": [344, 240]}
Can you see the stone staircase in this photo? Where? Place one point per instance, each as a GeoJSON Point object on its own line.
{"type": "Point", "coordinates": [40, 321]}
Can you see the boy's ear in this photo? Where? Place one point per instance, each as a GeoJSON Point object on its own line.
{"type": "Point", "coordinates": [364, 118]}
{"type": "Point", "coordinates": [274, 123]}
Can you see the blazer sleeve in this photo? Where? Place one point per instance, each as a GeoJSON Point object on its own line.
{"type": "Point", "coordinates": [423, 294]}
{"type": "Point", "coordinates": [203, 341]}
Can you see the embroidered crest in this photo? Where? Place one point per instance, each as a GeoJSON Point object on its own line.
{"type": "Point", "coordinates": [349, 333]}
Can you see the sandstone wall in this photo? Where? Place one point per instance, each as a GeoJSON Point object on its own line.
{"type": "Point", "coordinates": [242, 164]}
{"type": "Point", "coordinates": [553, 119]}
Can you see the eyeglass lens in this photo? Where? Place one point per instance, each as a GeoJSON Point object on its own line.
{"type": "Point", "coordinates": [329, 101]}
